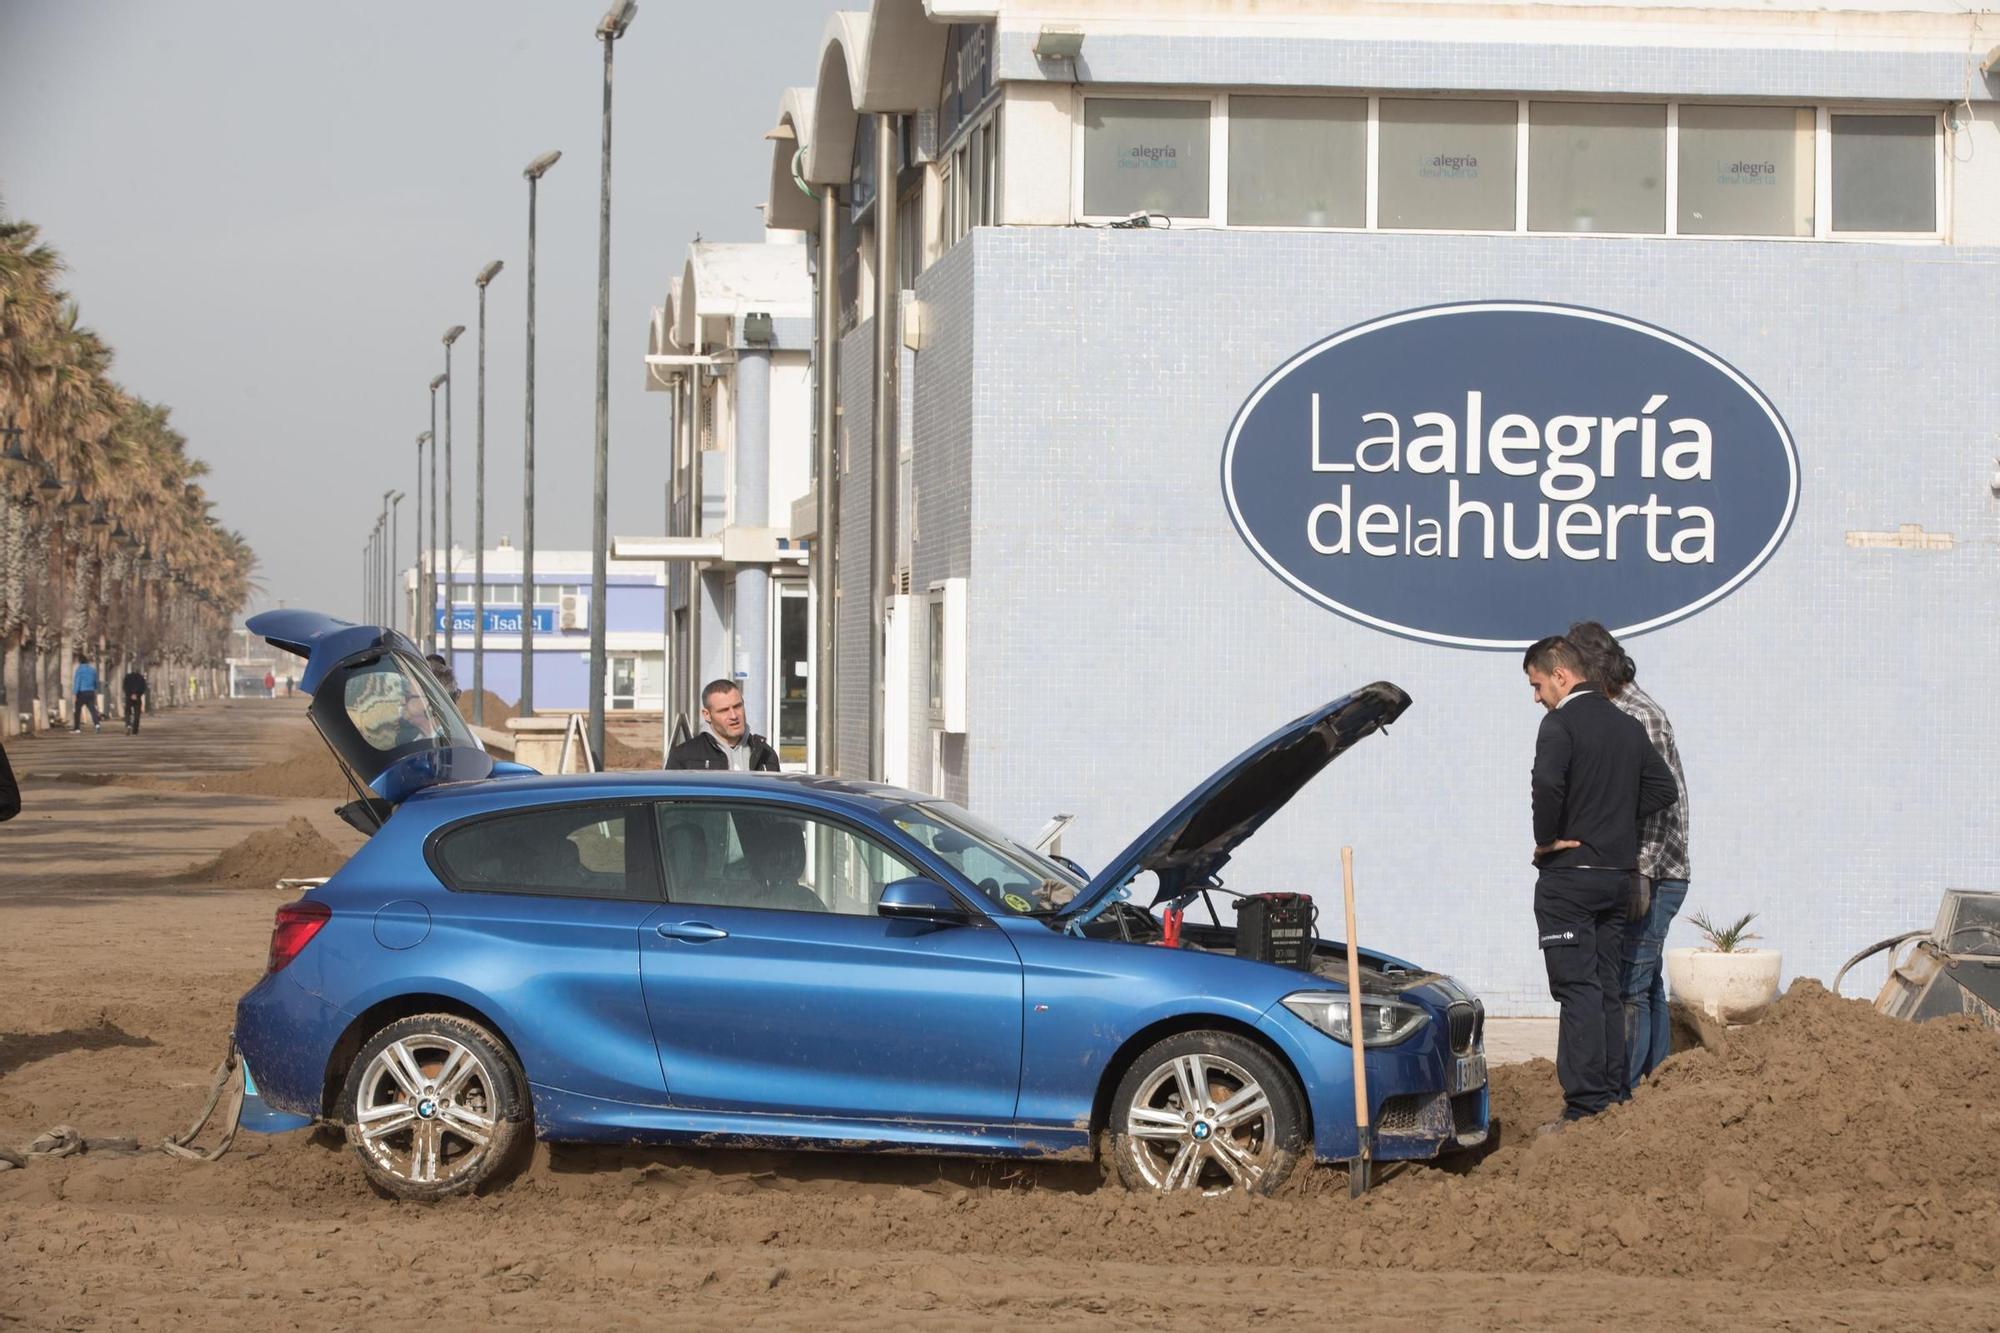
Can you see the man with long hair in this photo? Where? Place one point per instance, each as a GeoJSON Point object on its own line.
{"type": "Point", "coordinates": [1663, 855]}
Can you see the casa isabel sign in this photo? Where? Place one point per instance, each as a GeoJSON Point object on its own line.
{"type": "Point", "coordinates": [1472, 474]}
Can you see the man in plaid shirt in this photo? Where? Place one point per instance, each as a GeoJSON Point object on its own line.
{"type": "Point", "coordinates": [1663, 855]}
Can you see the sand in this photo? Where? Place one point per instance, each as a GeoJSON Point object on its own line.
{"type": "Point", "coordinates": [295, 851]}
{"type": "Point", "coordinates": [1827, 1167]}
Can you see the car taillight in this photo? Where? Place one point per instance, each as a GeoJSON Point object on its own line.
{"type": "Point", "coordinates": [297, 923]}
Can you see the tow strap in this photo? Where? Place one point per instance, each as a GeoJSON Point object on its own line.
{"type": "Point", "coordinates": [229, 1072]}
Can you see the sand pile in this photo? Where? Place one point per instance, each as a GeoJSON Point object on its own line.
{"type": "Point", "coordinates": [1826, 1143]}
{"type": "Point", "coordinates": [296, 851]}
{"type": "Point", "coordinates": [309, 770]}
{"type": "Point", "coordinates": [622, 754]}
{"type": "Point", "coordinates": [498, 711]}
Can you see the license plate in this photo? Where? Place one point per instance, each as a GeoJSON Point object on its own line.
{"type": "Point", "coordinates": [1470, 1074]}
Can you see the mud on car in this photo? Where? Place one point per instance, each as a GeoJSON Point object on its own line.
{"type": "Point", "coordinates": [784, 959]}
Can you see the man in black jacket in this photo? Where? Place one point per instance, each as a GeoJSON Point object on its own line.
{"type": "Point", "coordinates": [1596, 776]}
{"type": "Point", "coordinates": [725, 740]}
{"type": "Point", "coordinates": [134, 688]}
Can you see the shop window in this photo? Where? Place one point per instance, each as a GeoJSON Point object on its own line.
{"type": "Point", "coordinates": [1746, 171]}
{"type": "Point", "coordinates": [1597, 166]}
{"type": "Point", "coordinates": [1298, 161]}
{"type": "Point", "coordinates": [1447, 164]}
{"type": "Point", "coordinates": [1884, 173]}
{"type": "Point", "coordinates": [1145, 155]}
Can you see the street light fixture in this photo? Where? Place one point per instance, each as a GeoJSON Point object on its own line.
{"type": "Point", "coordinates": [427, 635]}
{"type": "Point", "coordinates": [534, 172]}
{"type": "Point", "coordinates": [485, 276]}
{"type": "Point", "coordinates": [391, 577]}
{"type": "Point", "coordinates": [436, 384]}
{"type": "Point", "coordinates": [451, 336]}
{"type": "Point", "coordinates": [609, 29]}
{"type": "Point", "coordinates": [13, 434]}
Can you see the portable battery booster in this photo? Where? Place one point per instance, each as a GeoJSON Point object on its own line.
{"type": "Point", "coordinates": [1275, 928]}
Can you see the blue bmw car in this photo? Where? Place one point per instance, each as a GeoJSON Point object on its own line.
{"type": "Point", "coordinates": [790, 960]}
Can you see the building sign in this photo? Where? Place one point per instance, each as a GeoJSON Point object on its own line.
{"type": "Point", "coordinates": [499, 620]}
{"type": "Point", "coordinates": [1483, 474]}
{"type": "Point", "coordinates": [968, 75]}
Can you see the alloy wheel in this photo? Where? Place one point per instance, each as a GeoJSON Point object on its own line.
{"type": "Point", "coordinates": [424, 1111]}
{"type": "Point", "coordinates": [1201, 1122]}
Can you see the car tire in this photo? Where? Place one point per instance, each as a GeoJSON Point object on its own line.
{"type": "Point", "coordinates": [435, 1105]}
{"type": "Point", "coordinates": [1210, 1112]}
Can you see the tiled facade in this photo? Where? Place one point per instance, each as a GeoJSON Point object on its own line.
{"type": "Point", "coordinates": [1833, 713]}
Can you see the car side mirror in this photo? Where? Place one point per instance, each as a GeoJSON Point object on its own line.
{"type": "Point", "coordinates": [920, 900]}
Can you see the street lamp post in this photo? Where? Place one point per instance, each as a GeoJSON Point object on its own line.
{"type": "Point", "coordinates": [431, 435]}
{"type": "Point", "coordinates": [486, 275]}
{"type": "Point", "coordinates": [609, 29]}
{"type": "Point", "coordinates": [393, 579]}
{"type": "Point", "coordinates": [450, 551]}
{"type": "Point", "coordinates": [417, 563]}
{"type": "Point", "coordinates": [534, 172]}
{"type": "Point", "coordinates": [386, 556]}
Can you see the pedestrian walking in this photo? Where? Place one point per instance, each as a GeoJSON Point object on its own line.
{"type": "Point", "coordinates": [83, 685]}
{"type": "Point", "coordinates": [725, 740]}
{"type": "Point", "coordinates": [1596, 775]}
{"type": "Point", "coordinates": [1663, 855]}
{"type": "Point", "coordinates": [10, 790]}
{"type": "Point", "coordinates": [134, 688]}
{"type": "Point", "coordinates": [270, 685]}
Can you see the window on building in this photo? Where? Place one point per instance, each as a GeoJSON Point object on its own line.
{"type": "Point", "coordinates": [551, 594]}
{"type": "Point", "coordinates": [1746, 171]}
{"type": "Point", "coordinates": [1597, 166]}
{"type": "Point", "coordinates": [740, 856]}
{"type": "Point", "coordinates": [989, 189]}
{"type": "Point", "coordinates": [564, 852]}
{"type": "Point", "coordinates": [1447, 164]}
{"type": "Point", "coordinates": [1145, 155]}
{"type": "Point", "coordinates": [909, 237]}
{"type": "Point", "coordinates": [1884, 173]}
{"type": "Point", "coordinates": [503, 594]}
{"type": "Point", "coordinates": [1298, 161]}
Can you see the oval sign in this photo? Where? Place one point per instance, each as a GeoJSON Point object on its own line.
{"type": "Point", "coordinates": [1483, 474]}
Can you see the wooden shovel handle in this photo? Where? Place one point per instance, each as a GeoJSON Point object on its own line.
{"type": "Point", "coordinates": [1355, 1032]}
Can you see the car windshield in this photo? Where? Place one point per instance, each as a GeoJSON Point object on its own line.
{"type": "Point", "coordinates": [1012, 876]}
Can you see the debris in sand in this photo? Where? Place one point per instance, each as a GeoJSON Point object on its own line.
{"type": "Point", "coordinates": [298, 850]}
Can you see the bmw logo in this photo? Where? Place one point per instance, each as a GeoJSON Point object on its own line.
{"type": "Point", "coordinates": [1201, 1129]}
{"type": "Point", "coordinates": [427, 1108]}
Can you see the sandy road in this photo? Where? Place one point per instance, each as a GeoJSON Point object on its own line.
{"type": "Point", "coordinates": [116, 983]}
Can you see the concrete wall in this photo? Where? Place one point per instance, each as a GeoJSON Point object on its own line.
{"type": "Point", "coordinates": [1835, 714]}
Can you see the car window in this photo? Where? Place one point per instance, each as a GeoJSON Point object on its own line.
{"type": "Point", "coordinates": [1010, 876]}
{"type": "Point", "coordinates": [724, 855]}
{"type": "Point", "coordinates": [563, 851]}
{"type": "Point", "coordinates": [392, 703]}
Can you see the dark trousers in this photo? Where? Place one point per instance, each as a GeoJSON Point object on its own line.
{"type": "Point", "coordinates": [1580, 915]}
{"type": "Point", "coordinates": [85, 699]}
{"type": "Point", "coordinates": [135, 705]}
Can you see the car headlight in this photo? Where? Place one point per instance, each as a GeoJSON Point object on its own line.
{"type": "Point", "coordinates": [1383, 1022]}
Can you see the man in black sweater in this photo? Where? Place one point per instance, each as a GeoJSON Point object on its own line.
{"type": "Point", "coordinates": [1596, 776]}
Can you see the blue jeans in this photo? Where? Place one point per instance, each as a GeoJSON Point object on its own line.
{"type": "Point", "coordinates": [1647, 1031]}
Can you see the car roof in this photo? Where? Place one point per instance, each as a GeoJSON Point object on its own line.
{"type": "Point", "coordinates": [449, 797]}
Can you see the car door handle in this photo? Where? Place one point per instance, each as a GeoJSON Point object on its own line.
{"type": "Point", "coordinates": [695, 932]}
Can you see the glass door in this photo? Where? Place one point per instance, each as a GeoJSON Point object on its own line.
{"type": "Point", "coordinates": [791, 686]}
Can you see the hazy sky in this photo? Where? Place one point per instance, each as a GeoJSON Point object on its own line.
{"type": "Point", "coordinates": [272, 212]}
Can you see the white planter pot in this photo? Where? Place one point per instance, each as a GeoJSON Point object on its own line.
{"type": "Point", "coordinates": [1729, 987]}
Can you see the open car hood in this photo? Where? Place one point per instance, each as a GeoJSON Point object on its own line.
{"type": "Point", "coordinates": [1193, 840]}
{"type": "Point", "coordinates": [377, 705]}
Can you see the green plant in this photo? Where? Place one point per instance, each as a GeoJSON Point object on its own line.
{"type": "Point", "coordinates": [1726, 939]}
